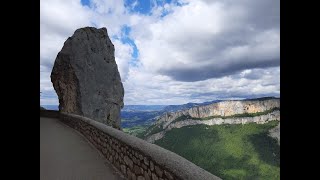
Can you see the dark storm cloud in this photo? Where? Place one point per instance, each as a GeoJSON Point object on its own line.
{"type": "Point", "coordinates": [249, 39]}
{"type": "Point", "coordinates": [203, 73]}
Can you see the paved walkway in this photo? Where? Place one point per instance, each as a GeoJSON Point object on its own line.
{"type": "Point", "coordinates": [66, 155]}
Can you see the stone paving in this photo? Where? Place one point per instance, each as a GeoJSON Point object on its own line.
{"type": "Point", "coordinates": [67, 155]}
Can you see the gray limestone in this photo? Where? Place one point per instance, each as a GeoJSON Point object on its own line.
{"type": "Point", "coordinates": [86, 79]}
{"type": "Point", "coordinates": [275, 133]}
{"type": "Point", "coordinates": [275, 115]}
{"type": "Point", "coordinates": [224, 108]}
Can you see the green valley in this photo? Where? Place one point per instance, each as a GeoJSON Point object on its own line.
{"type": "Point", "coordinates": [228, 151]}
{"type": "Point", "coordinates": [137, 131]}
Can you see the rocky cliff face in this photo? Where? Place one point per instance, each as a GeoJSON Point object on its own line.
{"type": "Point", "coordinates": [86, 79]}
{"type": "Point", "coordinates": [226, 112]}
{"type": "Point", "coordinates": [275, 115]}
{"type": "Point", "coordinates": [224, 108]}
{"type": "Point", "coordinates": [275, 133]}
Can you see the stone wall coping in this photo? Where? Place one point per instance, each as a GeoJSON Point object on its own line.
{"type": "Point", "coordinates": [178, 165]}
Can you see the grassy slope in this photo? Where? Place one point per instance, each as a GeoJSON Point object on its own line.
{"type": "Point", "coordinates": [141, 130]}
{"type": "Point", "coordinates": [228, 151]}
{"type": "Point", "coordinates": [137, 131]}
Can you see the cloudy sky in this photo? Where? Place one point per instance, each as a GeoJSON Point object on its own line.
{"type": "Point", "coordinates": [174, 51]}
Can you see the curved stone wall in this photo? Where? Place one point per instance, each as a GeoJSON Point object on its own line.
{"type": "Point", "coordinates": [135, 158]}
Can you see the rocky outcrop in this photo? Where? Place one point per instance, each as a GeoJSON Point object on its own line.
{"type": "Point", "coordinates": [258, 111]}
{"type": "Point", "coordinates": [154, 137]}
{"type": "Point", "coordinates": [223, 109]}
{"type": "Point", "coordinates": [86, 79]}
{"type": "Point", "coordinates": [275, 115]}
{"type": "Point", "coordinates": [275, 133]}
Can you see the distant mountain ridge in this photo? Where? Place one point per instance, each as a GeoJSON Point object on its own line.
{"type": "Point", "coordinates": [51, 107]}
{"type": "Point", "coordinates": [143, 107]}
{"type": "Point", "coordinates": [173, 108]}
{"type": "Point", "coordinates": [163, 108]}
{"type": "Point", "coordinates": [145, 115]}
{"type": "Point", "coordinates": [259, 110]}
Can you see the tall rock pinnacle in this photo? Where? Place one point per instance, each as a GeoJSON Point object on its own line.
{"type": "Point", "coordinates": [86, 79]}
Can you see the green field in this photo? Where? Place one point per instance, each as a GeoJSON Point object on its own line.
{"type": "Point", "coordinates": [228, 151]}
{"type": "Point", "coordinates": [137, 131]}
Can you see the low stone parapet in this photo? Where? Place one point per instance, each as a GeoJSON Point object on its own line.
{"type": "Point", "coordinates": [134, 157]}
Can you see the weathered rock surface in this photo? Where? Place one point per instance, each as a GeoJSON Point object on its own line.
{"type": "Point", "coordinates": [86, 79]}
{"type": "Point", "coordinates": [275, 133]}
{"type": "Point", "coordinates": [275, 115]}
{"type": "Point", "coordinates": [219, 113]}
{"type": "Point", "coordinates": [224, 108]}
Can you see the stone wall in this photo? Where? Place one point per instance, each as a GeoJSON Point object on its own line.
{"type": "Point", "coordinates": [135, 158]}
{"type": "Point", "coordinates": [49, 113]}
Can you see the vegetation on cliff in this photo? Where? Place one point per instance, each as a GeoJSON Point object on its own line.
{"type": "Point", "coordinates": [228, 151]}
{"type": "Point", "coordinates": [153, 129]}
{"type": "Point", "coordinates": [184, 117]}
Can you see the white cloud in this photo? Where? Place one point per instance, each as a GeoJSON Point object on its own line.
{"type": "Point", "coordinates": [58, 21]}
{"type": "Point", "coordinates": [48, 95]}
{"type": "Point", "coordinates": [207, 40]}
{"type": "Point", "coordinates": [134, 4]}
{"type": "Point", "coordinates": [206, 50]}
{"type": "Point", "coordinates": [201, 51]}
{"type": "Point", "coordinates": [123, 55]}
{"type": "Point", "coordinates": [143, 87]}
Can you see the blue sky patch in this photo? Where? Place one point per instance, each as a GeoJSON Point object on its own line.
{"type": "Point", "coordinates": [127, 40]}
{"type": "Point", "coordinates": [85, 3]}
{"type": "Point", "coordinates": [145, 6]}
{"type": "Point", "coordinates": [142, 6]}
